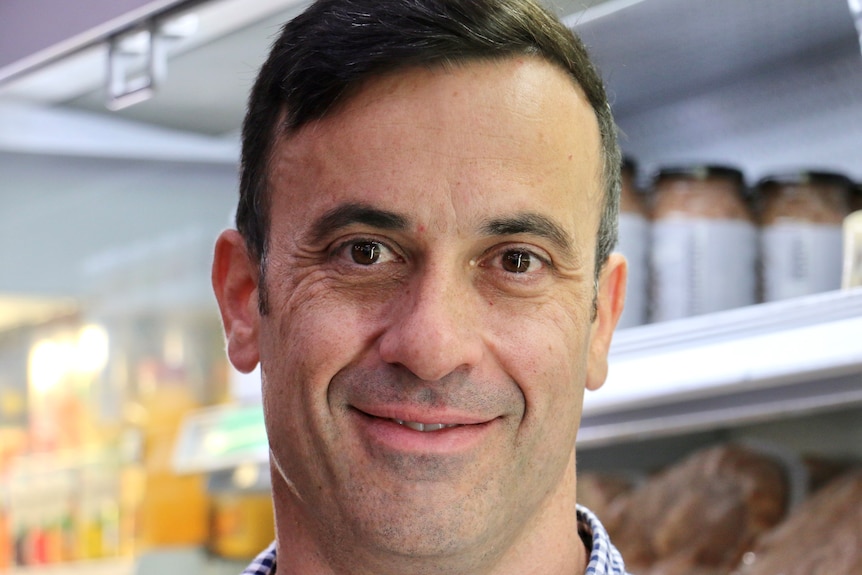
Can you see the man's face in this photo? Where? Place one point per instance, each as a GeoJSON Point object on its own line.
{"type": "Point", "coordinates": [430, 279]}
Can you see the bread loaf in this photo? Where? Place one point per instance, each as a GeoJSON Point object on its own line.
{"type": "Point", "coordinates": [821, 536]}
{"type": "Point", "coordinates": [701, 515]}
{"type": "Point", "coordinates": [598, 490]}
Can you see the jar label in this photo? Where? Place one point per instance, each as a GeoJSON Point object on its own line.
{"type": "Point", "coordinates": [799, 259]}
{"type": "Point", "coordinates": [634, 245]}
{"type": "Point", "coordinates": [701, 265]}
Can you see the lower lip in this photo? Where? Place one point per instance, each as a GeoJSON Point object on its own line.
{"type": "Point", "coordinates": [449, 440]}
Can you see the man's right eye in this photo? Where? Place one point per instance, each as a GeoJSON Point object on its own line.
{"type": "Point", "coordinates": [368, 252]}
{"type": "Point", "coordinates": [365, 253]}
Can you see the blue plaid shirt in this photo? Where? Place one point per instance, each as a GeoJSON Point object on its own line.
{"type": "Point", "coordinates": [604, 558]}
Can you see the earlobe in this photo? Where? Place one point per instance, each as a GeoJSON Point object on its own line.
{"type": "Point", "coordinates": [234, 280]}
{"type": "Point", "coordinates": [610, 300]}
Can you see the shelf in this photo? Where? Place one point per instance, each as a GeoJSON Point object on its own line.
{"type": "Point", "coordinates": [221, 437]}
{"type": "Point", "coordinates": [119, 566]}
{"type": "Point", "coordinates": [165, 561]}
{"type": "Point", "coordinates": [739, 366]}
{"type": "Point", "coordinates": [767, 86]}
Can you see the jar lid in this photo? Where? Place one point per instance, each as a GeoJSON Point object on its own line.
{"type": "Point", "coordinates": [701, 172]}
{"type": "Point", "coordinates": [806, 178]}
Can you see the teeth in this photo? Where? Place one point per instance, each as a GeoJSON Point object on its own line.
{"type": "Point", "coordinates": [424, 426]}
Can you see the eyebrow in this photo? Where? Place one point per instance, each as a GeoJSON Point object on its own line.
{"type": "Point", "coordinates": [354, 213]}
{"type": "Point", "coordinates": [531, 223]}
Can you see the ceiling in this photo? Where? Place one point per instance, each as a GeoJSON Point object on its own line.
{"type": "Point", "coordinates": [651, 52]}
{"type": "Point", "coordinates": [209, 73]}
{"type": "Point", "coordinates": [79, 179]}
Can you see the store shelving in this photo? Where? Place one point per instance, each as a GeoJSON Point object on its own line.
{"type": "Point", "coordinates": [766, 86]}
{"type": "Point", "coordinates": [120, 566]}
{"type": "Point", "coordinates": [167, 562]}
{"type": "Point", "coordinates": [729, 368]}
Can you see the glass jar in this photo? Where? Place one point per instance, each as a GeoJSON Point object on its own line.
{"type": "Point", "coordinates": [801, 241]}
{"type": "Point", "coordinates": [634, 245]}
{"type": "Point", "coordinates": [704, 242]}
{"type": "Point", "coordinates": [856, 198]}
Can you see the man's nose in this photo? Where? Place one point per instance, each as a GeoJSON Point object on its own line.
{"type": "Point", "coordinates": [434, 329]}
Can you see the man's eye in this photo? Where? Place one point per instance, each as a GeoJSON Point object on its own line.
{"type": "Point", "coordinates": [519, 262]}
{"type": "Point", "coordinates": [367, 253]}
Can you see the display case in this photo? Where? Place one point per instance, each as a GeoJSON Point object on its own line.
{"type": "Point", "coordinates": [765, 86]}
{"type": "Point", "coordinates": [731, 368]}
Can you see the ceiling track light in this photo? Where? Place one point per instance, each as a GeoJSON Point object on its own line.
{"type": "Point", "coordinates": [137, 65]}
{"type": "Point", "coordinates": [856, 12]}
{"type": "Point", "coordinates": [138, 59]}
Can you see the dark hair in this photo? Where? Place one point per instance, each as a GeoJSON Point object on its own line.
{"type": "Point", "coordinates": [329, 50]}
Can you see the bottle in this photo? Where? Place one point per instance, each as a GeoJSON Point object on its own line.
{"type": "Point", "coordinates": [856, 198]}
{"type": "Point", "coordinates": [634, 245]}
{"type": "Point", "coordinates": [704, 242]}
{"type": "Point", "coordinates": [801, 243]}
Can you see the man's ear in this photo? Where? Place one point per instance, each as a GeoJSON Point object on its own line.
{"type": "Point", "coordinates": [235, 282]}
{"type": "Point", "coordinates": [610, 297]}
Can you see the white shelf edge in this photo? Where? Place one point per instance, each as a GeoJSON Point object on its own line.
{"type": "Point", "coordinates": [748, 364]}
{"type": "Point", "coordinates": [729, 410]}
{"type": "Point", "coordinates": [761, 318]}
{"type": "Point", "coordinates": [203, 444]}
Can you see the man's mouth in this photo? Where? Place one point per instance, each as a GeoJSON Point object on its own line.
{"type": "Point", "coordinates": [406, 430]}
{"type": "Point", "coordinates": [425, 426]}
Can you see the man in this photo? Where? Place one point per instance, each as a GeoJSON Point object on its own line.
{"type": "Point", "coordinates": [422, 268]}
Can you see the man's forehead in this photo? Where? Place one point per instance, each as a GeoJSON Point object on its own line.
{"type": "Point", "coordinates": [522, 78]}
{"type": "Point", "coordinates": [409, 129]}
{"type": "Point", "coordinates": [483, 97]}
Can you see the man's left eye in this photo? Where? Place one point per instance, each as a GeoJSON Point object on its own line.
{"type": "Point", "coordinates": [520, 261]}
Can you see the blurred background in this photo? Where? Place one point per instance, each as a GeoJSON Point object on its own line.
{"type": "Point", "coordinates": [127, 442]}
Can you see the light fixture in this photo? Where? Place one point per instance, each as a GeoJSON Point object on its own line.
{"type": "Point", "coordinates": [856, 12]}
{"type": "Point", "coordinates": [48, 365]}
{"type": "Point", "coordinates": [77, 66]}
{"type": "Point", "coordinates": [598, 11]}
{"type": "Point", "coordinates": [91, 349]}
{"type": "Point", "coordinates": [137, 64]}
{"type": "Point", "coordinates": [138, 58]}
{"type": "Point", "coordinates": [54, 360]}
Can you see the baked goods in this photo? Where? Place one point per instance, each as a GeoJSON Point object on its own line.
{"type": "Point", "coordinates": [821, 471]}
{"type": "Point", "coordinates": [823, 535]}
{"type": "Point", "coordinates": [701, 515]}
{"type": "Point", "coordinates": [597, 491]}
